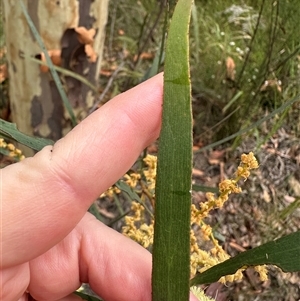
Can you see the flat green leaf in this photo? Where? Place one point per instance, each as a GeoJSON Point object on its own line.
{"type": "Point", "coordinates": [196, 187]}
{"type": "Point", "coordinates": [283, 252]}
{"type": "Point", "coordinates": [126, 188]}
{"type": "Point", "coordinates": [95, 211]}
{"type": "Point", "coordinates": [171, 6]}
{"type": "Point", "coordinates": [87, 297]}
{"type": "Point", "coordinates": [171, 248]}
{"type": "Point", "coordinates": [132, 194]}
{"type": "Point", "coordinates": [65, 72]}
{"type": "Point", "coordinates": [9, 130]}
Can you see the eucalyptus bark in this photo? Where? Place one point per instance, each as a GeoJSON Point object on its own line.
{"type": "Point", "coordinates": [36, 106]}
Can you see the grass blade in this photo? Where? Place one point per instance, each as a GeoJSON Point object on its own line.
{"type": "Point", "coordinates": [86, 297]}
{"type": "Point", "coordinates": [9, 130]}
{"type": "Point", "coordinates": [283, 252]}
{"type": "Point", "coordinates": [256, 124]}
{"type": "Point", "coordinates": [171, 248]}
{"type": "Point", "coordinates": [196, 187]}
{"type": "Point", "coordinates": [66, 72]}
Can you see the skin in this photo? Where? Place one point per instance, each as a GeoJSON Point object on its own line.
{"type": "Point", "coordinates": [49, 243]}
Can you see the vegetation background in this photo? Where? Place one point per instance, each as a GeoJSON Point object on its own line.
{"type": "Point", "coordinates": [245, 63]}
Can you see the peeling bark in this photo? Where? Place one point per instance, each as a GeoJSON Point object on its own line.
{"type": "Point", "coordinates": [36, 106]}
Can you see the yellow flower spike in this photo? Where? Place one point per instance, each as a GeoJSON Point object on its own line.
{"type": "Point", "coordinates": [210, 196]}
{"type": "Point", "coordinates": [206, 231]}
{"type": "Point", "coordinates": [243, 172]}
{"type": "Point", "coordinates": [13, 151]}
{"type": "Point", "coordinates": [150, 171]}
{"type": "Point", "coordinates": [150, 161]}
{"type": "Point", "coordinates": [224, 186]}
{"type": "Point", "coordinates": [10, 147]}
{"type": "Point", "coordinates": [132, 179]}
{"type": "Point", "coordinates": [262, 271]}
{"type": "Point", "coordinates": [11, 154]}
{"type": "Point", "coordinates": [229, 186]}
{"type": "Point", "coordinates": [18, 152]}
{"type": "Point", "coordinates": [2, 143]}
{"type": "Point", "coordinates": [221, 200]}
{"type": "Point", "coordinates": [249, 160]}
{"type": "Point", "coordinates": [200, 260]}
{"type": "Point", "coordinates": [204, 207]}
{"type": "Point", "coordinates": [200, 295]}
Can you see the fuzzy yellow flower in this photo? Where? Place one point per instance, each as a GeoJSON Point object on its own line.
{"type": "Point", "coordinates": [132, 179]}
{"type": "Point", "coordinates": [248, 162]}
{"type": "Point", "coordinates": [200, 294]}
{"type": "Point", "coordinates": [150, 171]}
{"type": "Point", "coordinates": [13, 151]}
{"type": "Point", "coordinates": [200, 260]}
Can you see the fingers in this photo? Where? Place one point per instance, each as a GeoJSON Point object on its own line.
{"type": "Point", "coordinates": [126, 269]}
{"type": "Point", "coordinates": [13, 282]}
{"type": "Point", "coordinates": [44, 197]}
{"type": "Point", "coordinates": [116, 268]}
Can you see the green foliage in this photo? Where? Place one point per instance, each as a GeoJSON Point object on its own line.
{"type": "Point", "coordinates": [171, 246]}
{"type": "Point", "coordinates": [283, 252]}
{"type": "Point", "coordinates": [9, 130]}
{"type": "Point", "coordinates": [2, 42]}
{"type": "Point", "coordinates": [262, 40]}
{"type": "Point", "coordinates": [254, 125]}
{"type": "Point", "coordinates": [86, 297]}
{"type": "Point", "coordinates": [134, 29]}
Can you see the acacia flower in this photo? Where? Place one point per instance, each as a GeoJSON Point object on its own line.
{"type": "Point", "coordinates": [13, 151]}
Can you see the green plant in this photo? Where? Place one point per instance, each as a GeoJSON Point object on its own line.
{"type": "Point", "coordinates": [177, 79]}
{"type": "Point", "coordinates": [252, 49]}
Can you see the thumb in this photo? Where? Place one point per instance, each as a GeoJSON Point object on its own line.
{"type": "Point", "coordinates": [44, 197]}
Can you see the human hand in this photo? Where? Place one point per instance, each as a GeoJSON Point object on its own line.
{"type": "Point", "coordinates": [49, 243]}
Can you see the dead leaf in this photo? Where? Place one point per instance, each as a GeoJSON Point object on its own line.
{"type": "Point", "coordinates": [152, 148]}
{"type": "Point", "coordinates": [236, 246]}
{"type": "Point", "coordinates": [55, 56]}
{"type": "Point", "coordinates": [215, 157]}
{"type": "Point", "coordinates": [271, 83]}
{"type": "Point", "coordinates": [106, 213]}
{"type": "Point", "coordinates": [197, 173]}
{"type": "Point", "coordinates": [105, 72]}
{"type": "Point", "coordinates": [3, 73]}
{"type": "Point", "coordinates": [289, 199]}
{"type": "Point", "coordinates": [2, 52]}
{"type": "Point", "coordinates": [230, 68]}
{"type": "Point", "coordinates": [291, 277]}
{"type": "Point", "coordinates": [295, 185]}
{"type": "Point", "coordinates": [265, 195]}
{"type": "Point", "coordinates": [216, 291]}
{"type": "Point", "coordinates": [214, 161]}
{"type": "Point", "coordinates": [85, 36]}
{"type": "Point", "coordinates": [90, 53]}
{"type": "Point", "coordinates": [143, 56]}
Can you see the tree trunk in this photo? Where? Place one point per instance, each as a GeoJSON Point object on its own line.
{"type": "Point", "coordinates": [73, 33]}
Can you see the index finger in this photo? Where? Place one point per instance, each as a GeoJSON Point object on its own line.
{"type": "Point", "coordinates": [44, 197]}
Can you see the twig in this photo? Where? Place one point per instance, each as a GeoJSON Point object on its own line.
{"type": "Point", "coordinates": [108, 85]}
